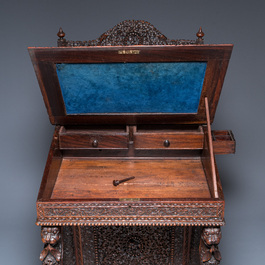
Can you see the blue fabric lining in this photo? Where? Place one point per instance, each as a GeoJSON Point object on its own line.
{"type": "Point", "coordinates": [131, 87]}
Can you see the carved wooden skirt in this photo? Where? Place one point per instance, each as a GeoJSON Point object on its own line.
{"type": "Point", "coordinates": [130, 245]}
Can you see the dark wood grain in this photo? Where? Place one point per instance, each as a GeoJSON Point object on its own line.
{"type": "Point", "coordinates": [52, 168]}
{"type": "Point", "coordinates": [156, 140]}
{"type": "Point", "coordinates": [93, 139]}
{"type": "Point", "coordinates": [93, 179]}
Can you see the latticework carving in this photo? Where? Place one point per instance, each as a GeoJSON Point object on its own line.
{"type": "Point", "coordinates": [89, 249]}
{"type": "Point", "coordinates": [178, 245]}
{"type": "Point", "coordinates": [120, 245]}
{"type": "Point", "coordinates": [129, 32]}
{"type": "Point", "coordinates": [134, 245]}
{"type": "Point", "coordinates": [68, 246]}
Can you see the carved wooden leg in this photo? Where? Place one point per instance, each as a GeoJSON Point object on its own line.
{"type": "Point", "coordinates": [209, 252]}
{"type": "Point", "coordinates": [51, 254]}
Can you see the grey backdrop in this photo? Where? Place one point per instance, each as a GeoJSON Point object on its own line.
{"type": "Point", "coordinates": [26, 132]}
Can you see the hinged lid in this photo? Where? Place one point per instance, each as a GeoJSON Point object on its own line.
{"type": "Point", "coordinates": [159, 81]}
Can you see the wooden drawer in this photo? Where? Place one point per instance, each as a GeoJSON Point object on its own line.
{"type": "Point", "coordinates": [168, 140]}
{"type": "Point", "coordinates": [223, 142]}
{"type": "Point", "coordinates": [93, 139]}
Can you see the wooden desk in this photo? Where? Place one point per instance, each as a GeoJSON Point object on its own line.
{"type": "Point", "coordinates": [131, 176]}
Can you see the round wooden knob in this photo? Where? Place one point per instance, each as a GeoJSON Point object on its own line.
{"type": "Point", "coordinates": [166, 143]}
{"type": "Point", "coordinates": [95, 143]}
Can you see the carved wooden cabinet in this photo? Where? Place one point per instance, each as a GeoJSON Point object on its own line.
{"type": "Point", "coordinates": [131, 176]}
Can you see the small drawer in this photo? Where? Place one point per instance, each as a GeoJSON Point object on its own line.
{"type": "Point", "coordinates": [168, 141]}
{"type": "Point", "coordinates": [89, 139]}
{"type": "Point", "coordinates": [223, 142]}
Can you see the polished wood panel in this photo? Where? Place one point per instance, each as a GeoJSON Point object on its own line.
{"type": "Point", "coordinates": [93, 138]}
{"type": "Point", "coordinates": [94, 141]}
{"type": "Point", "coordinates": [168, 141]}
{"type": "Point", "coordinates": [52, 168]}
{"type": "Point", "coordinates": [85, 179]}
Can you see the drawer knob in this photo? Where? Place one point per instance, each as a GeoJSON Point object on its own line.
{"type": "Point", "coordinates": [166, 143]}
{"type": "Point", "coordinates": [95, 143]}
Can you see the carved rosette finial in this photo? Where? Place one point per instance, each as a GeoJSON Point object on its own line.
{"type": "Point", "coordinates": [51, 254]}
{"type": "Point", "coordinates": [200, 35]}
{"type": "Point", "coordinates": [209, 252]}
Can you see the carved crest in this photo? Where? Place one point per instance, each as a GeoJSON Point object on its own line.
{"type": "Point", "coordinates": [129, 32]}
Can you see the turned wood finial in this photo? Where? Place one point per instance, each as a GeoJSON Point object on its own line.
{"type": "Point", "coordinates": [60, 34]}
{"type": "Point", "coordinates": [200, 35]}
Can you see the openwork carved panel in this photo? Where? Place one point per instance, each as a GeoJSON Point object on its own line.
{"type": "Point", "coordinates": [129, 32]}
{"type": "Point", "coordinates": [127, 245]}
{"type": "Point", "coordinates": [178, 245]}
{"type": "Point", "coordinates": [89, 248]}
{"type": "Point", "coordinates": [134, 245]}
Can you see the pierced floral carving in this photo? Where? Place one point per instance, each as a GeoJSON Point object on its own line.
{"type": "Point", "coordinates": [129, 32]}
{"type": "Point", "coordinates": [121, 245]}
{"type": "Point", "coordinates": [209, 252]}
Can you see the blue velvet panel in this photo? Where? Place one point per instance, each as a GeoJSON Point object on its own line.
{"type": "Point", "coordinates": [131, 87]}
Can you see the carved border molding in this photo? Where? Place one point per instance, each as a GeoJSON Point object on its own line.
{"type": "Point", "coordinates": [129, 32]}
{"type": "Point", "coordinates": [197, 213]}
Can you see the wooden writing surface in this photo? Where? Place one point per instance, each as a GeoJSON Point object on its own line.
{"type": "Point", "coordinates": [156, 178]}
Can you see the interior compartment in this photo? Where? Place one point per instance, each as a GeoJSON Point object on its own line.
{"type": "Point", "coordinates": [223, 142]}
{"type": "Point", "coordinates": [222, 136]}
{"type": "Point", "coordinates": [83, 178]}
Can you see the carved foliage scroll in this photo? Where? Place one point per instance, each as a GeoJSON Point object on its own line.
{"type": "Point", "coordinates": [129, 32]}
